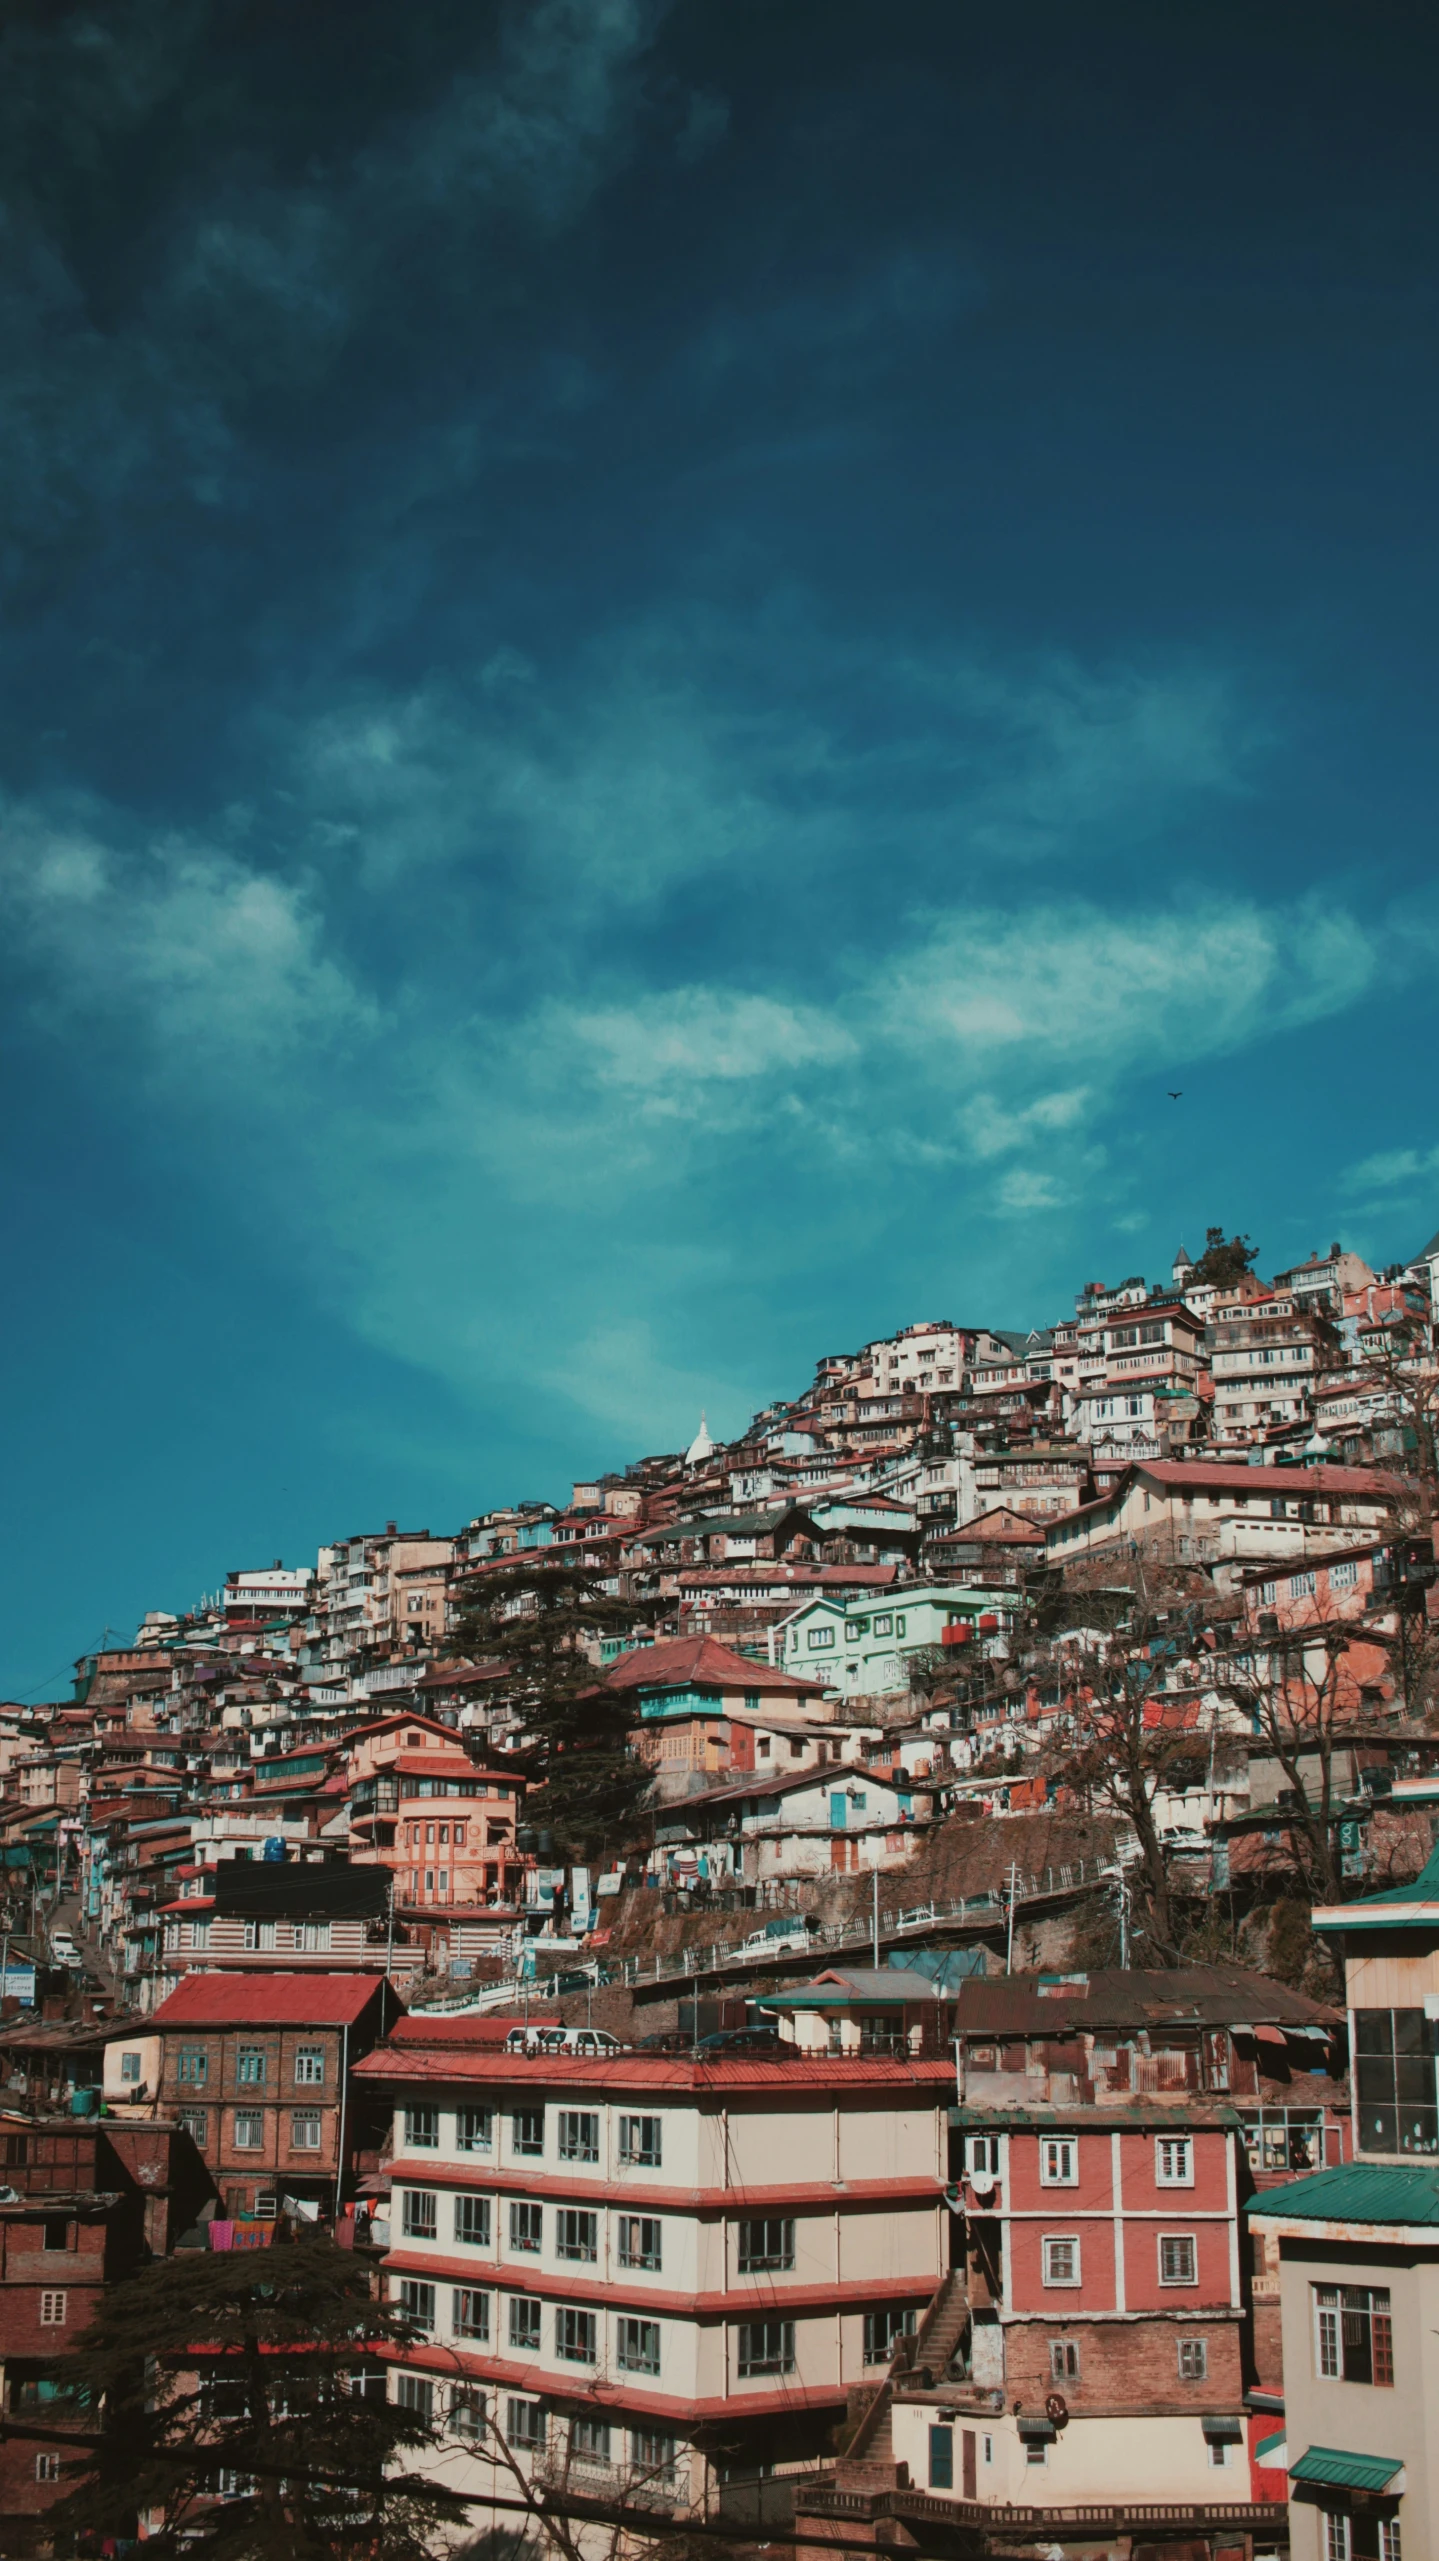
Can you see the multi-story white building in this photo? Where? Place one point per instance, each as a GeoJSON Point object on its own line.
{"type": "Point", "coordinates": [643, 2272]}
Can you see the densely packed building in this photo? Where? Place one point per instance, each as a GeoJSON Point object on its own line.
{"type": "Point", "coordinates": [959, 2216]}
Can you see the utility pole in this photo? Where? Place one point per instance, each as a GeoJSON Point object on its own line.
{"type": "Point", "coordinates": [875, 1923]}
{"type": "Point", "coordinates": [1009, 1938]}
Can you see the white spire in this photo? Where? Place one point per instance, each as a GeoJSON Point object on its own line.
{"type": "Point", "coordinates": [701, 1447]}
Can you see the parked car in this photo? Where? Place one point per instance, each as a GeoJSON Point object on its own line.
{"type": "Point", "coordinates": [63, 1948]}
{"type": "Point", "coordinates": [744, 2040]}
{"type": "Point", "coordinates": [1182, 1839]}
{"type": "Point", "coordinates": [774, 1943]}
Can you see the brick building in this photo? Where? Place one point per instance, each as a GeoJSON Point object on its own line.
{"type": "Point", "coordinates": [81, 2207]}
{"type": "Point", "coordinates": [257, 2069]}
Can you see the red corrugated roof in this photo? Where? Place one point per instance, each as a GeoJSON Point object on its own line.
{"type": "Point", "coordinates": [648, 2071]}
{"type": "Point", "coordinates": [267, 2000]}
{"type": "Point", "coordinates": [699, 1662]}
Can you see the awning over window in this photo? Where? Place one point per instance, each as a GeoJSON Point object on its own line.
{"type": "Point", "coordinates": [1337, 2470]}
{"type": "Point", "coordinates": [1221, 2431]}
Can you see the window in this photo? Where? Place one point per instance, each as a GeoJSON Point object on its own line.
{"type": "Point", "coordinates": [474, 2130]}
{"type": "Point", "coordinates": [472, 2221]}
{"type": "Point", "coordinates": [416, 2393]}
{"type": "Point", "coordinates": [525, 2322]}
{"type": "Point", "coordinates": [192, 2064]}
{"type": "Point", "coordinates": [527, 2227]}
{"type": "Point", "coordinates": [528, 2131]}
{"type": "Point", "coordinates": [639, 2238]}
{"type": "Point", "coordinates": [941, 2458]}
{"type": "Point", "coordinates": [1342, 1578]}
{"type": "Point", "coordinates": [1058, 2162]}
{"type": "Point", "coordinates": [310, 2067]}
{"type": "Point", "coordinates": [1218, 2450]}
{"type": "Point", "coordinates": [590, 2440]}
{"type": "Point", "coordinates": [305, 2129]}
{"type": "Point", "coordinates": [129, 2067]}
{"type": "Point", "coordinates": [576, 2234]}
{"type": "Point", "coordinates": [899, 1625]}
{"type": "Point", "coordinates": [1174, 2161]}
{"type": "Point", "coordinates": [467, 2413]}
{"type": "Point", "coordinates": [983, 2156]}
{"type": "Point", "coordinates": [1354, 2337]}
{"type": "Point", "coordinates": [250, 2066]}
{"type": "Point", "coordinates": [198, 1933]}
{"type": "Point", "coordinates": [1177, 2259]}
{"type": "Point", "coordinates": [53, 2303]}
{"type": "Point", "coordinates": [312, 1938]}
{"type": "Point", "coordinates": [1064, 2360]}
{"type": "Point", "coordinates": [470, 2313]}
{"type": "Point", "coordinates": [1193, 2360]}
{"type": "Point", "coordinates": [47, 2467]}
{"type": "Point", "coordinates": [640, 2142]}
{"type": "Point", "coordinates": [55, 2233]}
{"type": "Point", "coordinates": [576, 2335]}
{"type": "Point", "coordinates": [420, 2215]}
{"type": "Point", "coordinates": [637, 2346]}
{"type": "Point", "coordinates": [884, 1624]}
{"type": "Point", "coordinates": [525, 2423]}
{"type": "Point", "coordinates": [579, 2135]}
{"type": "Point", "coordinates": [195, 2121]}
{"type": "Point", "coordinates": [422, 2129]}
{"type": "Point", "coordinates": [249, 2129]}
{"type": "Point", "coordinates": [1059, 2258]}
{"type": "Point", "coordinates": [766, 2347]}
{"type": "Point", "coordinates": [881, 2332]}
{"type": "Point", "coordinates": [1301, 1586]}
{"type": "Point", "coordinates": [656, 2456]}
{"type": "Point", "coordinates": [820, 1639]}
{"type": "Point", "coordinates": [768, 2243]}
{"type": "Point", "coordinates": [259, 1934]}
{"type": "Point", "coordinates": [417, 2302]}
{"type": "Point", "coordinates": [1394, 2068]}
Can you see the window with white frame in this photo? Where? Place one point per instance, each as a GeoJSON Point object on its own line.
{"type": "Point", "coordinates": [420, 2214]}
{"type": "Point", "coordinates": [766, 2347]}
{"type": "Point", "coordinates": [258, 1935]}
{"type": "Point", "coordinates": [589, 2440]}
{"type": "Point", "coordinates": [640, 2142]}
{"type": "Point", "coordinates": [467, 2413]}
{"type": "Point", "coordinates": [311, 1938]}
{"type": "Point", "coordinates": [637, 2346]}
{"type": "Point", "coordinates": [1177, 2259]}
{"type": "Point", "coordinates": [1193, 2360]}
{"type": "Point", "coordinates": [639, 2241]}
{"type": "Point", "coordinates": [1354, 2334]}
{"type": "Point", "coordinates": [416, 2393]}
{"type": "Point", "coordinates": [249, 2130]}
{"type": "Point", "coordinates": [422, 2129]}
{"type": "Point", "coordinates": [576, 2335]}
{"type": "Point", "coordinates": [305, 2129]}
{"type": "Point", "coordinates": [417, 2302]}
{"type": "Point", "coordinates": [654, 2455]}
{"type": "Point", "coordinates": [472, 2222]}
{"type": "Point", "coordinates": [1058, 2161]}
{"type": "Point", "coordinates": [310, 2066]}
{"type": "Point", "coordinates": [577, 2234]}
{"type": "Point", "coordinates": [47, 2467]}
{"type": "Point", "coordinates": [525, 2322]}
{"type": "Point", "coordinates": [1174, 2161]}
{"type": "Point", "coordinates": [579, 2135]}
{"type": "Point", "coordinates": [474, 2129]}
{"type": "Point", "coordinates": [525, 2424]}
{"type": "Point", "coordinates": [54, 2303]}
{"type": "Point", "coordinates": [1342, 1578]}
{"type": "Point", "coordinates": [470, 2312]}
{"type": "Point", "coordinates": [195, 2121]}
{"type": "Point", "coordinates": [983, 2155]}
{"type": "Point", "coordinates": [1064, 2360]}
{"type": "Point", "coordinates": [130, 2067]}
{"type": "Point", "coordinates": [1059, 2258]}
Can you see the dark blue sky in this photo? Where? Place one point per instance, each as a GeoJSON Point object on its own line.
{"type": "Point", "coordinates": [661, 666]}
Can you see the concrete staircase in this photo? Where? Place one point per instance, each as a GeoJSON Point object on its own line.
{"type": "Point", "coordinates": [871, 2440]}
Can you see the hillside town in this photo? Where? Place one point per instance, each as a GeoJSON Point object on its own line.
{"type": "Point", "coordinates": [874, 1983]}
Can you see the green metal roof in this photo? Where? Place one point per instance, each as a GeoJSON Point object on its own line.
{"type": "Point", "coordinates": [1341, 2471]}
{"type": "Point", "coordinates": [1398, 1909]}
{"type": "Point", "coordinates": [1267, 2445]}
{"type": "Point", "coordinates": [1357, 2193]}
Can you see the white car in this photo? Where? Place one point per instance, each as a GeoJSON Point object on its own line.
{"type": "Point", "coordinates": [1183, 1840]}
{"type": "Point", "coordinates": [63, 1948]}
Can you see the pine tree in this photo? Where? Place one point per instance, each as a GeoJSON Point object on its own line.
{"type": "Point", "coordinates": [1225, 1260]}
{"type": "Point", "coordinates": [542, 1618]}
{"type": "Point", "coordinates": [227, 2391]}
